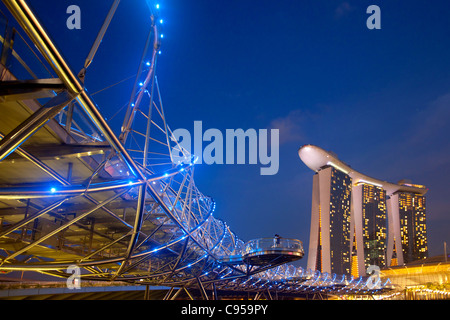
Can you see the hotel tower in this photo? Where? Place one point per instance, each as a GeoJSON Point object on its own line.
{"type": "Point", "coordinates": [358, 221]}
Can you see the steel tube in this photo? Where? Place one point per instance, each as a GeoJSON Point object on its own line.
{"type": "Point", "coordinates": [28, 21]}
{"type": "Point", "coordinates": [68, 224]}
{"type": "Point", "coordinates": [33, 217]}
{"type": "Point", "coordinates": [40, 165]}
{"type": "Point", "coordinates": [30, 192]}
{"type": "Point", "coordinates": [33, 123]}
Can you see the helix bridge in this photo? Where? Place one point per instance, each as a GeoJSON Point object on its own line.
{"type": "Point", "coordinates": [120, 206]}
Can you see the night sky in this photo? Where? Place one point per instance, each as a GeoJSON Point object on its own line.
{"type": "Point", "coordinates": [379, 99]}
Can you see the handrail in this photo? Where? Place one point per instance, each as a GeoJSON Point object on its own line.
{"type": "Point", "coordinates": [272, 244]}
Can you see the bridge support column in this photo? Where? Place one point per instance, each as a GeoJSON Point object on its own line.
{"type": "Point", "coordinates": [168, 294]}
{"type": "Point", "coordinates": [214, 292]}
{"type": "Point", "coordinates": [202, 290]}
{"type": "Point", "coordinates": [147, 292]}
{"type": "Point", "coordinates": [269, 294]}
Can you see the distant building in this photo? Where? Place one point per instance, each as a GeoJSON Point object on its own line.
{"type": "Point", "coordinates": [369, 226]}
{"type": "Point", "coordinates": [331, 219]}
{"type": "Point", "coordinates": [358, 221]}
{"type": "Point", "coordinates": [413, 229]}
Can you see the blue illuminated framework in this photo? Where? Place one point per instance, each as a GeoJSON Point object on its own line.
{"type": "Point", "coordinates": [118, 206]}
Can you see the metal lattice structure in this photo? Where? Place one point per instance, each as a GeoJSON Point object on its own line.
{"type": "Point", "coordinates": [120, 207]}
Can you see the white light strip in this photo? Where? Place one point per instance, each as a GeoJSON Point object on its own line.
{"type": "Point", "coordinates": [337, 167]}
{"type": "Point", "coordinates": [368, 182]}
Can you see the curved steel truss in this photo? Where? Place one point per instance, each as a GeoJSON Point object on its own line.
{"type": "Point", "coordinates": [122, 207]}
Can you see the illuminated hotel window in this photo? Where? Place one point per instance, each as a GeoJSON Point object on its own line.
{"type": "Point", "coordinates": [413, 226]}
{"type": "Point", "coordinates": [340, 215]}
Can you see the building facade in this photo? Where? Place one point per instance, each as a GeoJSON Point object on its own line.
{"type": "Point", "coordinates": [331, 220]}
{"type": "Point", "coordinates": [374, 219]}
{"type": "Point", "coordinates": [358, 221]}
{"type": "Point", "coordinates": [369, 224]}
{"type": "Point", "coordinates": [413, 229]}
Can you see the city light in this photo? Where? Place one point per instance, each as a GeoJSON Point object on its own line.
{"type": "Point", "coordinates": [337, 167]}
{"type": "Point", "coordinates": [179, 209]}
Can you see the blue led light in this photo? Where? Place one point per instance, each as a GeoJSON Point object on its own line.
{"type": "Point", "coordinates": [157, 6]}
{"type": "Point", "coordinates": [148, 63]}
{"type": "Point", "coordinates": [53, 190]}
{"type": "Point", "coordinates": [162, 36]}
{"type": "Point", "coordinates": [161, 21]}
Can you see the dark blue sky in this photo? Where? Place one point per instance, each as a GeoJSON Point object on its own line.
{"type": "Point", "coordinates": [379, 99]}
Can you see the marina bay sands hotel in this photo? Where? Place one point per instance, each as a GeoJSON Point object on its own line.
{"type": "Point", "coordinates": [358, 221]}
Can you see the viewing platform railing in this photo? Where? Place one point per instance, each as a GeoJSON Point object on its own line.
{"type": "Point", "coordinates": [272, 244]}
